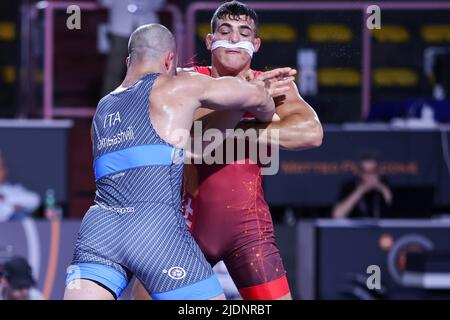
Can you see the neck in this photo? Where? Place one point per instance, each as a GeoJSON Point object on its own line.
{"type": "Point", "coordinates": [136, 72]}
{"type": "Point", "coordinates": [218, 70]}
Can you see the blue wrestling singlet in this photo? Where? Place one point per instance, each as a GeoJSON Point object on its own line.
{"type": "Point", "coordinates": [136, 226]}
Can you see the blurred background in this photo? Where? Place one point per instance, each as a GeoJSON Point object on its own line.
{"type": "Point", "coordinates": [377, 192]}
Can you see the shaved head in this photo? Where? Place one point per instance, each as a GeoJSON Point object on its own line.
{"type": "Point", "coordinates": [150, 42]}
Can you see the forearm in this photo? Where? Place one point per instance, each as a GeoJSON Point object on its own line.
{"type": "Point", "coordinates": [265, 111]}
{"type": "Point", "coordinates": [296, 132]}
{"type": "Point", "coordinates": [292, 133]}
{"type": "Point", "coordinates": [230, 93]}
{"type": "Point", "coordinates": [387, 194]}
{"type": "Point", "coordinates": [299, 126]}
{"type": "Point", "coordinates": [343, 208]}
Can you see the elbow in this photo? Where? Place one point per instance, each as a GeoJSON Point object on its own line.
{"type": "Point", "coordinates": [335, 214]}
{"type": "Point", "coordinates": [316, 135]}
{"type": "Point", "coordinates": [338, 212]}
{"type": "Point", "coordinates": [306, 135]}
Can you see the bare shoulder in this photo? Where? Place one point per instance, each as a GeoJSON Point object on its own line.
{"type": "Point", "coordinates": [160, 85]}
{"type": "Point", "coordinates": [178, 87]}
{"type": "Point", "coordinates": [182, 87]}
{"type": "Point", "coordinates": [188, 80]}
{"type": "Point", "coordinates": [183, 70]}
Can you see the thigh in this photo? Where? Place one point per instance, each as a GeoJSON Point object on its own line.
{"type": "Point", "coordinates": [83, 289]}
{"type": "Point", "coordinates": [96, 256]}
{"type": "Point", "coordinates": [139, 292]}
{"type": "Point", "coordinates": [100, 239]}
{"type": "Point", "coordinates": [167, 260]}
{"type": "Point", "coordinates": [258, 272]}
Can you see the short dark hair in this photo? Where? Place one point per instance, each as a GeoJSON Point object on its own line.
{"type": "Point", "coordinates": [233, 10]}
{"type": "Point", "coordinates": [18, 273]}
{"type": "Point", "coordinates": [368, 155]}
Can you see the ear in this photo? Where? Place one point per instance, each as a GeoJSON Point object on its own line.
{"type": "Point", "coordinates": [209, 41]}
{"type": "Point", "coordinates": [127, 61]}
{"type": "Point", "coordinates": [169, 60]}
{"type": "Point", "coordinates": [256, 44]}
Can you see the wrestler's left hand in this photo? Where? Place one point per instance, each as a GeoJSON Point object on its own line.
{"type": "Point", "coordinates": [275, 81]}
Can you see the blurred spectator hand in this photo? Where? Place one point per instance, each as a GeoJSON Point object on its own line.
{"type": "Point", "coordinates": [370, 181]}
{"type": "Point", "coordinates": [365, 195]}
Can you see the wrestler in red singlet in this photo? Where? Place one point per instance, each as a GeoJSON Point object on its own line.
{"type": "Point", "coordinates": [227, 215]}
{"type": "Point", "coordinates": [224, 204]}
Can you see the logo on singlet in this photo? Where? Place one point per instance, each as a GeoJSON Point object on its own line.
{"type": "Point", "coordinates": [176, 273]}
{"type": "Point", "coordinates": [188, 212]}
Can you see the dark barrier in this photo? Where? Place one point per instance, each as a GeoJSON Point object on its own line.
{"type": "Point", "coordinates": [36, 154]}
{"type": "Point", "coordinates": [335, 259]}
{"type": "Point", "coordinates": [408, 158]}
{"type": "Point", "coordinates": [327, 256]}
{"type": "Point", "coordinates": [48, 247]}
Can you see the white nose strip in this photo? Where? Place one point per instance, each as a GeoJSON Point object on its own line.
{"type": "Point", "coordinates": [246, 45]}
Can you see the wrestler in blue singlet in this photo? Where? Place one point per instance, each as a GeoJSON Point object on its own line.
{"type": "Point", "coordinates": [136, 226]}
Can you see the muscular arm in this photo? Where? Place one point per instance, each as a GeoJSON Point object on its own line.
{"type": "Point", "coordinates": [275, 81]}
{"type": "Point", "coordinates": [227, 93]}
{"type": "Point", "coordinates": [299, 126]}
{"type": "Point", "coordinates": [221, 120]}
{"type": "Point", "coordinates": [175, 99]}
{"type": "Point", "coordinates": [224, 94]}
{"type": "Point", "coordinates": [343, 208]}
